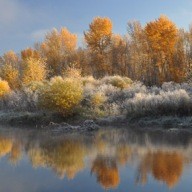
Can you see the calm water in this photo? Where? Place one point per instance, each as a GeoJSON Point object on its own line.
{"type": "Point", "coordinates": [115, 160]}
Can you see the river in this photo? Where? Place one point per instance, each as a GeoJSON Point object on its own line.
{"type": "Point", "coordinates": [113, 159]}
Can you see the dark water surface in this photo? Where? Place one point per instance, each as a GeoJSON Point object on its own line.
{"type": "Point", "coordinates": [110, 159]}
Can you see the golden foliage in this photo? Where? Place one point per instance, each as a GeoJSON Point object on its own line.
{"type": "Point", "coordinates": [4, 88]}
{"type": "Point", "coordinates": [11, 75]}
{"type": "Point", "coordinates": [61, 95]}
{"type": "Point", "coordinates": [10, 58]}
{"type": "Point", "coordinates": [57, 47]}
{"type": "Point", "coordinates": [99, 35]}
{"type": "Point", "coordinates": [118, 81]}
{"type": "Point", "coordinates": [30, 53]}
{"type": "Point", "coordinates": [162, 35]}
{"type": "Point", "coordinates": [97, 99]}
{"type": "Point", "coordinates": [98, 40]}
{"type": "Point", "coordinates": [33, 70]}
{"type": "Point", "coordinates": [72, 72]}
{"type": "Point", "coordinates": [9, 69]}
{"type": "Point", "coordinates": [68, 39]}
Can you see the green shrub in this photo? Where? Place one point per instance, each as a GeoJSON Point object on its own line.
{"type": "Point", "coordinates": [61, 95]}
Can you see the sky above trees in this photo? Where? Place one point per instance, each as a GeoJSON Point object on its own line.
{"type": "Point", "coordinates": [24, 22]}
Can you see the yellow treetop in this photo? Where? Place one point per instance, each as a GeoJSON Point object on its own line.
{"type": "Point", "coordinates": [99, 35]}
{"type": "Point", "coordinates": [162, 34]}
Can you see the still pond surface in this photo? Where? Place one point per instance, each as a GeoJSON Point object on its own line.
{"type": "Point", "coordinates": [110, 159]}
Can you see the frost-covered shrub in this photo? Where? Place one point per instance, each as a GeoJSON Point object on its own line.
{"type": "Point", "coordinates": [97, 99]}
{"type": "Point", "coordinates": [22, 100]}
{"type": "Point", "coordinates": [121, 95]}
{"type": "Point", "coordinates": [4, 88]}
{"type": "Point", "coordinates": [89, 80]}
{"type": "Point", "coordinates": [117, 81]}
{"type": "Point", "coordinates": [177, 102]}
{"type": "Point", "coordinates": [72, 72]}
{"type": "Point", "coordinates": [61, 95]}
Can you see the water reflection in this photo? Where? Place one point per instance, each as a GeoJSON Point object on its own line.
{"type": "Point", "coordinates": [160, 155]}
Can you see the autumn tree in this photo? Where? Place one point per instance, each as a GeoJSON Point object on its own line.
{"type": "Point", "coordinates": [137, 60]}
{"type": "Point", "coordinates": [181, 64]}
{"type": "Point", "coordinates": [9, 70]}
{"type": "Point", "coordinates": [98, 40]}
{"type": "Point", "coordinates": [30, 53]}
{"type": "Point", "coordinates": [162, 35]}
{"type": "Point", "coordinates": [33, 70]}
{"type": "Point", "coordinates": [118, 55]}
{"type": "Point", "coordinates": [57, 49]}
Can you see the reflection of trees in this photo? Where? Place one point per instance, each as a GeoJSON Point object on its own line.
{"type": "Point", "coordinates": [66, 157]}
{"type": "Point", "coordinates": [16, 153]}
{"type": "Point", "coordinates": [164, 166]}
{"type": "Point", "coordinates": [167, 167]}
{"type": "Point", "coordinates": [13, 148]}
{"type": "Point", "coordinates": [144, 168]}
{"type": "Point", "coordinates": [123, 153]}
{"type": "Point", "coordinates": [5, 146]}
{"type": "Point", "coordinates": [106, 171]}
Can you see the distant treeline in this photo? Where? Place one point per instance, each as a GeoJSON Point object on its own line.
{"type": "Point", "coordinates": [153, 54]}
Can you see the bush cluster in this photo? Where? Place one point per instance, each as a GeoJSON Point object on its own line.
{"type": "Point", "coordinates": [98, 97]}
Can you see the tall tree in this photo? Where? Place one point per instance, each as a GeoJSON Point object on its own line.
{"type": "Point", "coordinates": [33, 70]}
{"type": "Point", "coordinates": [9, 70]}
{"type": "Point", "coordinates": [162, 36]}
{"type": "Point", "coordinates": [57, 48]}
{"type": "Point", "coordinates": [98, 40]}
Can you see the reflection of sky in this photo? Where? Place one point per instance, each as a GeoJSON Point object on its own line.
{"type": "Point", "coordinates": [22, 22]}
{"type": "Point", "coordinates": [23, 178]}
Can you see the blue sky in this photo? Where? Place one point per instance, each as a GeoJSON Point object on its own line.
{"type": "Point", "coordinates": [24, 22]}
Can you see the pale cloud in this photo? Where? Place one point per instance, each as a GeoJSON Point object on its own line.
{"type": "Point", "coordinates": [38, 35]}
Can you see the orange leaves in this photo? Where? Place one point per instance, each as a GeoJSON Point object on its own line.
{"type": "Point", "coordinates": [99, 35]}
{"type": "Point", "coordinates": [57, 47]}
{"type": "Point", "coordinates": [30, 53]}
{"type": "Point", "coordinates": [69, 40]}
{"type": "Point", "coordinates": [162, 34]}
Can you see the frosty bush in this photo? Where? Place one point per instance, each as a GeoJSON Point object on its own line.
{"type": "Point", "coordinates": [72, 72]}
{"type": "Point", "coordinates": [22, 100]}
{"type": "Point", "coordinates": [61, 95]}
{"type": "Point", "coordinates": [177, 102]}
{"type": "Point", "coordinates": [117, 81]}
{"type": "Point", "coordinates": [89, 80]}
{"type": "Point", "coordinates": [97, 99]}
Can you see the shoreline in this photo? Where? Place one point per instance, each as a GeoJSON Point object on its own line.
{"type": "Point", "coordinates": [52, 120]}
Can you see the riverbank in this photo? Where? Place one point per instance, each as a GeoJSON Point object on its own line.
{"type": "Point", "coordinates": [77, 123]}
